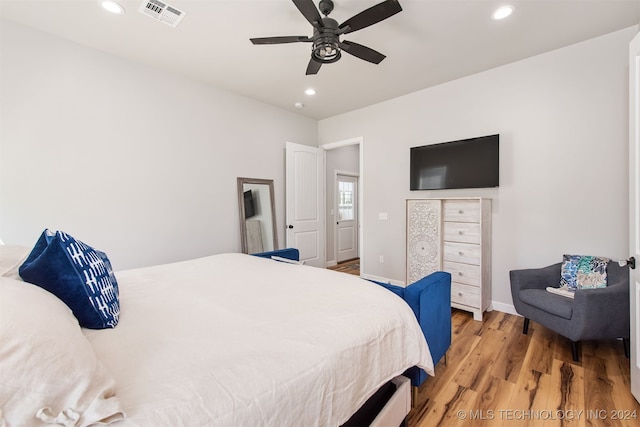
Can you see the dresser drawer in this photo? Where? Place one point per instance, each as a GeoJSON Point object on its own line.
{"type": "Point", "coordinates": [460, 231]}
{"type": "Point", "coordinates": [464, 232]}
{"type": "Point", "coordinates": [463, 273]}
{"type": "Point", "coordinates": [461, 210]}
{"type": "Point", "coordinates": [465, 294]}
{"type": "Point", "coordinates": [466, 253]}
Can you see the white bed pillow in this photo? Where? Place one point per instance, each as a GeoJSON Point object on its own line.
{"type": "Point", "coordinates": [50, 372]}
{"type": "Point", "coordinates": [11, 258]}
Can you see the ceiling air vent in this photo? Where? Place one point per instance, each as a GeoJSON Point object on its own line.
{"type": "Point", "coordinates": [161, 11]}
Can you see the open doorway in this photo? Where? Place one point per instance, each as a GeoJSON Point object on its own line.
{"type": "Point", "coordinates": [346, 216]}
{"type": "Point", "coordinates": [344, 237]}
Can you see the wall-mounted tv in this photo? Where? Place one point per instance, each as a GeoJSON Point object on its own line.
{"type": "Point", "coordinates": [466, 163]}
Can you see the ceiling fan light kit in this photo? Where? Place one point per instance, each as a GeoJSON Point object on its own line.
{"type": "Point", "coordinates": [326, 45]}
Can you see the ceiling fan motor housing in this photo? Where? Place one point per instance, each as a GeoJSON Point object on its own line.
{"type": "Point", "coordinates": [325, 7]}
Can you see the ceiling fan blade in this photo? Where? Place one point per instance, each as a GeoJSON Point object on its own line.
{"type": "Point", "coordinates": [310, 12]}
{"type": "Point", "coordinates": [313, 67]}
{"type": "Point", "coordinates": [280, 39]}
{"type": "Point", "coordinates": [371, 16]}
{"type": "Point", "coordinates": [362, 52]}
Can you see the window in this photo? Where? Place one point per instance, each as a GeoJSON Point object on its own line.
{"type": "Point", "coordinates": [346, 191]}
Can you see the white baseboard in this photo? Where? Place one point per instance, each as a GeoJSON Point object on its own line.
{"type": "Point", "coordinates": [331, 264]}
{"type": "Point", "coordinates": [504, 308]}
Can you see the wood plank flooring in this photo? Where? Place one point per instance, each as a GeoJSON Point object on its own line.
{"type": "Point", "coordinates": [351, 266]}
{"type": "Point", "coordinates": [497, 376]}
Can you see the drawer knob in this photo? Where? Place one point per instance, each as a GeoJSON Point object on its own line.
{"type": "Point", "coordinates": [459, 273]}
{"type": "Point", "coordinates": [460, 253]}
{"type": "Point", "coordinates": [460, 211]}
{"type": "Point", "coordinates": [459, 294]}
{"type": "Point", "coordinates": [461, 232]}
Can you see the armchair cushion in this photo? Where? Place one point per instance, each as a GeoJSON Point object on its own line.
{"type": "Point", "coordinates": [548, 302]}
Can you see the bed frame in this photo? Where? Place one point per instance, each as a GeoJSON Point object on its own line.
{"type": "Point", "coordinates": [389, 406]}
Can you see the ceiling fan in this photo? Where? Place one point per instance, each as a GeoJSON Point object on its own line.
{"type": "Point", "coordinates": [326, 44]}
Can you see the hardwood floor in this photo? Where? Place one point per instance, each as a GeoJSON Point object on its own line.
{"type": "Point", "coordinates": [497, 376]}
{"type": "Point", "coordinates": [351, 266]}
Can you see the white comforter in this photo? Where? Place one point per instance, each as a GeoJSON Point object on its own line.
{"type": "Point", "coordinates": [237, 340]}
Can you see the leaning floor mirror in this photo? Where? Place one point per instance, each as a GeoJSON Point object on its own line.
{"type": "Point", "coordinates": [257, 215]}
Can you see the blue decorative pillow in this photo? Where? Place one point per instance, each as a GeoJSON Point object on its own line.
{"type": "Point", "coordinates": [76, 273]}
{"type": "Point", "coordinates": [583, 272]}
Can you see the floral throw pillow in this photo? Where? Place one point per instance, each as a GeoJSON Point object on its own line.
{"type": "Point", "coordinates": [583, 272]}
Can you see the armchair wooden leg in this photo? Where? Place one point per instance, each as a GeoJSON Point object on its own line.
{"type": "Point", "coordinates": [574, 351]}
{"type": "Point", "coordinates": [625, 343]}
{"type": "Point", "coordinates": [525, 328]}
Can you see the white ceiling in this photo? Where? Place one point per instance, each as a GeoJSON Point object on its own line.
{"type": "Point", "coordinates": [428, 43]}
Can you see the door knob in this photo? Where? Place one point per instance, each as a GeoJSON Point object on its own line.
{"type": "Point", "coordinates": [289, 226]}
{"type": "Point", "coordinates": [631, 262]}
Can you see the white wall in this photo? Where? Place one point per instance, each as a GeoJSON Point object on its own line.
{"type": "Point", "coordinates": [138, 162]}
{"type": "Point", "coordinates": [143, 164]}
{"type": "Point", "coordinates": [562, 119]}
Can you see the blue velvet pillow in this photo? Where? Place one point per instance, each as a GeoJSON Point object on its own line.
{"type": "Point", "coordinates": [76, 273]}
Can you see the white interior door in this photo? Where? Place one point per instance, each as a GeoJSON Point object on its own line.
{"type": "Point", "coordinates": [634, 207]}
{"type": "Point", "coordinates": [305, 197]}
{"type": "Point", "coordinates": [346, 217]}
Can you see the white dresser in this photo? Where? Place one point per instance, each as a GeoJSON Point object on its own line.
{"type": "Point", "coordinates": [452, 235]}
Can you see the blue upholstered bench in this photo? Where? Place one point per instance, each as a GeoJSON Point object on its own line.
{"type": "Point", "coordinates": [288, 253]}
{"type": "Point", "coordinates": [430, 300]}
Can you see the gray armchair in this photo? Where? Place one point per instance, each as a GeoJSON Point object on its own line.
{"type": "Point", "coordinates": [592, 314]}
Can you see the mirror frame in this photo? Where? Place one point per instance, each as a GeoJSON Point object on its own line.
{"type": "Point", "coordinates": [241, 213]}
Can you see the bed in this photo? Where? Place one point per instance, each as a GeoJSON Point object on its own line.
{"type": "Point", "coordinates": [224, 340]}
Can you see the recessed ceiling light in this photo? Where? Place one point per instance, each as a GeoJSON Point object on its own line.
{"type": "Point", "coordinates": [502, 12]}
{"type": "Point", "coordinates": [112, 6]}
{"type": "Point", "coordinates": [298, 105]}
{"type": "Point", "coordinates": [310, 91]}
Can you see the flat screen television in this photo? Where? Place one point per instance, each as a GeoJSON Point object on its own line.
{"type": "Point", "coordinates": [249, 204]}
{"type": "Point", "coordinates": [466, 163]}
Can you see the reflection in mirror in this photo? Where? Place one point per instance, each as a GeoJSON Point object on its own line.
{"type": "Point", "coordinates": [257, 215]}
